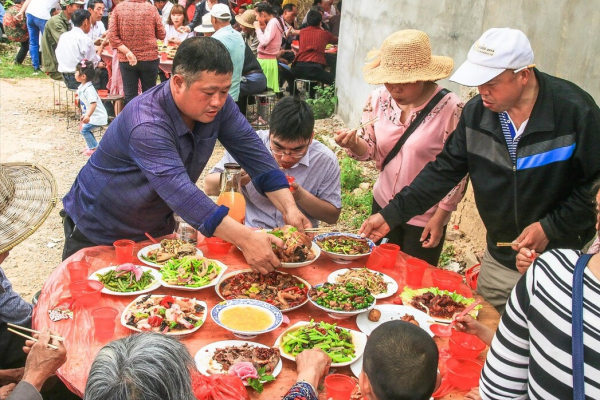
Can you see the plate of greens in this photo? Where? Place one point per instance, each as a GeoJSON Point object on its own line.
{"type": "Point", "coordinates": [343, 248]}
{"type": "Point", "coordinates": [156, 255]}
{"type": "Point", "coordinates": [127, 279]}
{"type": "Point", "coordinates": [343, 346]}
{"type": "Point", "coordinates": [341, 300]}
{"type": "Point", "coordinates": [191, 273]}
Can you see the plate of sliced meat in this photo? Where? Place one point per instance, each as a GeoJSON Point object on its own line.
{"type": "Point", "coordinates": [219, 357]}
{"type": "Point", "coordinates": [440, 305]}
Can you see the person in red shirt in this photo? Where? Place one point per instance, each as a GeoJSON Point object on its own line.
{"type": "Point", "coordinates": [310, 62]}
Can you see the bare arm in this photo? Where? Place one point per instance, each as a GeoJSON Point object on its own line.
{"type": "Point", "coordinates": [283, 200]}
{"type": "Point", "coordinates": [315, 207]}
{"type": "Point", "coordinates": [212, 183]}
{"type": "Point", "coordinates": [22, 11]}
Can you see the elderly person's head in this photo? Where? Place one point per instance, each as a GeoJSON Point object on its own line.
{"type": "Point", "coordinates": [246, 21]}
{"type": "Point", "coordinates": [406, 67]}
{"type": "Point", "coordinates": [290, 12]}
{"type": "Point", "coordinates": [146, 366]}
{"type": "Point", "coordinates": [501, 65]}
{"type": "Point", "coordinates": [201, 79]}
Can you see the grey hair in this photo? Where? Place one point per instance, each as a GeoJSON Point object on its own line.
{"type": "Point", "coordinates": [145, 366]}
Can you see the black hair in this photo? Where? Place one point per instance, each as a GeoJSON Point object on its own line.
{"type": "Point", "coordinates": [339, 5]}
{"type": "Point", "coordinates": [86, 67]}
{"type": "Point", "coordinates": [79, 17]}
{"type": "Point", "coordinates": [288, 7]}
{"type": "Point", "coordinates": [317, 2]}
{"type": "Point", "coordinates": [92, 3]}
{"type": "Point", "coordinates": [265, 7]}
{"type": "Point", "coordinates": [401, 360]}
{"type": "Point", "coordinates": [317, 9]}
{"type": "Point", "coordinates": [292, 119]}
{"type": "Point", "coordinates": [17, 1]}
{"type": "Point", "coordinates": [314, 18]}
{"type": "Point", "coordinates": [201, 54]}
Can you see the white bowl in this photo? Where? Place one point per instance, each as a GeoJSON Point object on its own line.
{"type": "Point", "coordinates": [340, 314]}
{"type": "Point", "coordinates": [343, 258]}
{"type": "Point", "coordinates": [277, 316]}
{"type": "Point", "coordinates": [213, 282]}
{"type": "Point", "coordinates": [105, 290]}
{"type": "Point", "coordinates": [359, 340]}
{"type": "Point", "coordinates": [314, 249]}
{"type": "Point", "coordinates": [234, 273]}
{"type": "Point", "coordinates": [144, 252]}
{"type": "Point", "coordinates": [392, 285]}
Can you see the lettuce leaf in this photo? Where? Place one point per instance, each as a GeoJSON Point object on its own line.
{"type": "Point", "coordinates": [408, 294]}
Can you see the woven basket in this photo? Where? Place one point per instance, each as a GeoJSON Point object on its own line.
{"type": "Point", "coordinates": [27, 196]}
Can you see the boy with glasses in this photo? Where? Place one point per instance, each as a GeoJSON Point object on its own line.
{"type": "Point", "coordinates": [314, 167]}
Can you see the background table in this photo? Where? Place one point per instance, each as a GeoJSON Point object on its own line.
{"type": "Point", "coordinates": [82, 347]}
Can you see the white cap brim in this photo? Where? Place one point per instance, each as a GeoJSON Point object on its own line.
{"type": "Point", "coordinates": [200, 29]}
{"type": "Point", "coordinates": [469, 74]}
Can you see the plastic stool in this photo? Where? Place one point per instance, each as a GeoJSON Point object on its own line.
{"type": "Point", "coordinates": [303, 86]}
{"type": "Point", "coordinates": [57, 89]}
{"type": "Point", "coordinates": [265, 102]}
{"type": "Point", "coordinates": [71, 98]}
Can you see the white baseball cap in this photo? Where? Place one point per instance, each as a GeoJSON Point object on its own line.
{"type": "Point", "coordinates": [207, 26]}
{"type": "Point", "coordinates": [497, 50]}
{"type": "Point", "coordinates": [220, 11]}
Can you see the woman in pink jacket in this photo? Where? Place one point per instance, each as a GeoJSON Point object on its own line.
{"type": "Point", "coordinates": [269, 31]}
{"type": "Point", "coordinates": [408, 71]}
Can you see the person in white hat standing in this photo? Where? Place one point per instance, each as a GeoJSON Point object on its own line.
{"type": "Point", "coordinates": [529, 143]}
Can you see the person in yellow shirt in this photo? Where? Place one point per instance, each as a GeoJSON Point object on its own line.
{"type": "Point", "coordinates": [294, 2]}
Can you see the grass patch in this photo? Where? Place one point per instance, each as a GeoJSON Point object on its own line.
{"type": "Point", "coordinates": [448, 255]}
{"type": "Point", "coordinates": [355, 208]}
{"type": "Point", "coordinates": [9, 70]}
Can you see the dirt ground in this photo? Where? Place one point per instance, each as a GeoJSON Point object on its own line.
{"type": "Point", "coordinates": [31, 132]}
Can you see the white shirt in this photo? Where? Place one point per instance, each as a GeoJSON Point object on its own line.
{"type": "Point", "coordinates": [41, 8]}
{"type": "Point", "coordinates": [87, 95]}
{"type": "Point", "coordinates": [97, 30]}
{"type": "Point", "coordinates": [165, 12]}
{"type": "Point", "coordinates": [173, 33]}
{"type": "Point", "coordinates": [73, 46]}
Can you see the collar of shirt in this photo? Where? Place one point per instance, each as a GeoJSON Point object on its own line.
{"type": "Point", "coordinates": [85, 85]}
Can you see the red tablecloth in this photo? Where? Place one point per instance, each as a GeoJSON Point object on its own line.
{"type": "Point", "coordinates": [82, 347]}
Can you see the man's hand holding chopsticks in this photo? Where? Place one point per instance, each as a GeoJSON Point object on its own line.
{"type": "Point", "coordinates": [42, 361]}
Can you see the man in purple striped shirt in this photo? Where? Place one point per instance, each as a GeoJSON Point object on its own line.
{"type": "Point", "coordinates": [152, 154]}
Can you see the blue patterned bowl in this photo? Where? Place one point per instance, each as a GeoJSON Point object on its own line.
{"type": "Point", "coordinates": [341, 258]}
{"type": "Point", "coordinates": [218, 309]}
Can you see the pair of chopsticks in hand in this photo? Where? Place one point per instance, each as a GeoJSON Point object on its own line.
{"type": "Point", "coordinates": [327, 230]}
{"type": "Point", "coordinates": [369, 122]}
{"type": "Point", "coordinates": [59, 338]}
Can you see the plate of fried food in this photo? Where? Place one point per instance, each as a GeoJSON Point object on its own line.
{"type": "Point", "coordinates": [285, 291]}
{"type": "Point", "coordinates": [390, 312]}
{"type": "Point", "coordinates": [221, 357]}
{"type": "Point", "coordinates": [156, 255]}
{"type": "Point", "coordinates": [440, 305]}
{"type": "Point", "coordinates": [343, 248]}
{"type": "Point", "coordinates": [380, 285]}
{"type": "Point", "coordinates": [299, 250]}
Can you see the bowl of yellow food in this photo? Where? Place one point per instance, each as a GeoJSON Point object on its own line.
{"type": "Point", "coordinates": [247, 318]}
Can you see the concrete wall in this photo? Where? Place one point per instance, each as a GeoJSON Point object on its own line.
{"type": "Point", "coordinates": [564, 34]}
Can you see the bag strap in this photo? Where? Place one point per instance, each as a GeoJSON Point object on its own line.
{"type": "Point", "coordinates": [414, 125]}
{"type": "Point", "coordinates": [577, 325]}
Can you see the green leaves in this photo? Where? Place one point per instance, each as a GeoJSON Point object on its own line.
{"type": "Point", "coordinates": [257, 383]}
{"type": "Point", "coordinates": [323, 105]}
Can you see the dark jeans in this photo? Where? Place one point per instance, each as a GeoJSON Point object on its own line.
{"type": "Point", "coordinates": [101, 81]}
{"type": "Point", "coordinates": [74, 239]}
{"type": "Point", "coordinates": [105, 22]}
{"type": "Point", "coordinates": [253, 83]}
{"type": "Point", "coordinates": [144, 72]}
{"type": "Point", "coordinates": [11, 348]}
{"type": "Point", "coordinates": [408, 237]}
{"type": "Point", "coordinates": [70, 81]}
{"type": "Point", "coordinates": [312, 71]}
{"type": "Point", "coordinates": [20, 57]}
{"type": "Point", "coordinates": [286, 75]}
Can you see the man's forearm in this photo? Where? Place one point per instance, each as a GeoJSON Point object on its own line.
{"type": "Point", "coordinates": [211, 184]}
{"type": "Point", "coordinates": [282, 199]}
{"type": "Point", "coordinates": [317, 208]}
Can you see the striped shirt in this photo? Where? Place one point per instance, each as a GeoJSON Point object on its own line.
{"type": "Point", "coordinates": [530, 355]}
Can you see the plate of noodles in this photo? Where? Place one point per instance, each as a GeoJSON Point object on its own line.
{"type": "Point", "coordinates": [380, 285]}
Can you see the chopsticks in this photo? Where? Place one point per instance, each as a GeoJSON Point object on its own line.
{"type": "Point", "coordinates": [59, 338]}
{"type": "Point", "coordinates": [327, 230]}
{"type": "Point", "coordinates": [506, 244]}
{"type": "Point", "coordinates": [369, 122]}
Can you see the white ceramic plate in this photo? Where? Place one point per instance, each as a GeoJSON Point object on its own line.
{"type": "Point", "coordinates": [407, 300]}
{"type": "Point", "coordinates": [193, 289]}
{"type": "Point", "coordinates": [392, 286]}
{"type": "Point", "coordinates": [204, 355]}
{"type": "Point", "coordinates": [359, 340]}
{"type": "Point", "coordinates": [356, 366]}
{"type": "Point", "coordinates": [343, 258]}
{"type": "Point", "coordinates": [316, 251]}
{"type": "Point", "coordinates": [391, 312]}
{"type": "Point", "coordinates": [144, 252]}
{"type": "Point", "coordinates": [230, 274]}
{"type": "Point", "coordinates": [341, 314]}
{"type": "Point", "coordinates": [153, 286]}
{"type": "Point", "coordinates": [180, 333]}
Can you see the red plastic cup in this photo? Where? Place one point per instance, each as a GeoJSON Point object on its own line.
{"type": "Point", "coordinates": [391, 250]}
{"type": "Point", "coordinates": [217, 245]}
{"type": "Point", "coordinates": [339, 387]}
{"type": "Point", "coordinates": [446, 280]}
{"type": "Point", "coordinates": [463, 373]}
{"type": "Point", "coordinates": [163, 56]}
{"type": "Point", "coordinates": [464, 345]}
{"type": "Point", "coordinates": [104, 322]}
{"type": "Point", "coordinates": [377, 260]}
{"type": "Point", "coordinates": [415, 269]}
{"type": "Point", "coordinates": [124, 250]}
{"type": "Point", "coordinates": [291, 180]}
{"type": "Point", "coordinates": [86, 292]}
{"type": "Point", "coordinates": [78, 270]}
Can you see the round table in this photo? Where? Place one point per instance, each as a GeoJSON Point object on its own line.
{"type": "Point", "coordinates": [82, 347]}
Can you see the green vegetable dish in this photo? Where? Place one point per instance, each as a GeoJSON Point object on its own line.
{"type": "Point", "coordinates": [126, 281]}
{"type": "Point", "coordinates": [190, 271]}
{"type": "Point", "coordinates": [341, 296]}
{"type": "Point", "coordinates": [334, 341]}
{"type": "Point", "coordinates": [344, 244]}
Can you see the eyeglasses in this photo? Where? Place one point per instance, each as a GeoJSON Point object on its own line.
{"type": "Point", "coordinates": [293, 154]}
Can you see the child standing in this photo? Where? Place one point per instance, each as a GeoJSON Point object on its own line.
{"type": "Point", "coordinates": [93, 113]}
{"type": "Point", "coordinates": [177, 19]}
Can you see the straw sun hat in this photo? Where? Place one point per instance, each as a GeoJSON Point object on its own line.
{"type": "Point", "coordinates": [246, 19]}
{"type": "Point", "coordinates": [27, 196]}
{"type": "Point", "coordinates": [405, 57]}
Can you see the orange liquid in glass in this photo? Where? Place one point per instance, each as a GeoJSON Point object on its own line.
{"type": "Point", "coordinates": [236, 203]}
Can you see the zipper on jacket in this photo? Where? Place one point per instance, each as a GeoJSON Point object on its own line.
{"type": "Point", "coordinates": [515, 189]}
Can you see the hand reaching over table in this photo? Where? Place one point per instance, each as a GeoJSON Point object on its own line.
{"type": "Point", "coordinates": [374, 227]}
{"type": "Point", "coordinates": [312, 365]}
{"type": "Point", "coordinates": [42, 361]}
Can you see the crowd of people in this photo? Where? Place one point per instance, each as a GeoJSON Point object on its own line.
{"type": "Point", "coordinates": [525, 143]}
